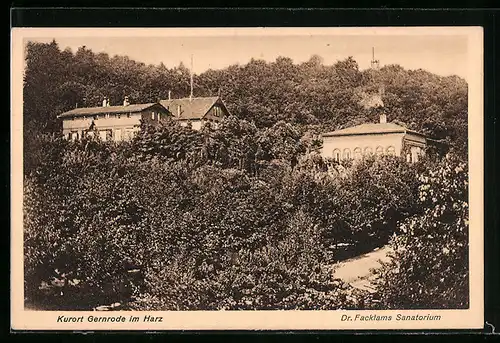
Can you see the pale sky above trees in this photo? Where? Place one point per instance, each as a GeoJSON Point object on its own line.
{"type": "Point", "coordinates": [440, 54]}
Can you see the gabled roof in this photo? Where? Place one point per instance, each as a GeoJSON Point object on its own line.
{"type": "Point", "coordinates": [371, 128]}
{"type": "Point", "coordinates": [194, 108]}
{"type": "Point", "coordinates": [87, 111]}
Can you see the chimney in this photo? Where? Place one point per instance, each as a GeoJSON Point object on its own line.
{"type": "Point", "coordinates": [383, 118]}
{"type": "Point", "coordinates": [126, 102]}
{"type": "Point", "coordinates": [169, 94]}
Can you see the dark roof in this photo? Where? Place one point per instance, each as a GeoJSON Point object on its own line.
{"type": "Point", "coordinates": [194, 108]}
{"type": "Point", "coordinates": [85, 111]}
{"type": "Point", "coordinates": [371, 128]}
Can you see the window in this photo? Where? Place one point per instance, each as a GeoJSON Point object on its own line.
{"type": "Point", "coordinates": [128, 115]}
{"type": "Point", "coordinates": [103, 135]}
{"type": "Point", "coordinates": [357, 153]}
{"type": "Point", "coordinates": [347, 154]}
{"type": "Point", "coordinates": [415, 152]}
{"type": "Point", "coordinates": [107, 115]}
{"type": "Point", "coordinates": [217, 111]}
{"type": "Point", "coordinates": [119, 115]}
{"type": "Point", "coordinates": [96, 117]}
{"type": "Point", "coordinates": [379, 150]}
{"type": "Point", "coordinates": [368, 150]}
{"type": "Point", "coordinates": [336, 155]}
{"type": "Point", "coordinates": [408, 158]}
{"type": "Point", "coordinates": [152, 116]}
{"type": "Point", "coordinates": [118, 135]}
{"type": "Point", "coordinates": [127, 135]}
{"type": "Point", "coordinates": [391, 151]}
{"type": "Point", "coordinates": [134, 132]}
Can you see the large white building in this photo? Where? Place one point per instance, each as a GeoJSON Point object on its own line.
{"type": "Point", "coordinates": [374, 138]}
{"type": "Point", "coordinates": [112, 123]}
{"type": "Point", "coordinates": [117, 123]}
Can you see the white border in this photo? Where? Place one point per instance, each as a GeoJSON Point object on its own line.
{"type": "Point", "coordinates": [251, 320]}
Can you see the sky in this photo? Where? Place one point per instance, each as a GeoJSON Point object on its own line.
{"type": "Point", "coordinates": [440, 54]}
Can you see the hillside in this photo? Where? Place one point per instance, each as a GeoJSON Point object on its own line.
{"type": "Point", "coordinates": [311, 95]}
{"type": "Point", "coordinates": [241, 217]}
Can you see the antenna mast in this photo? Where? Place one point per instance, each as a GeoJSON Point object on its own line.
{"type": "Point", "coordinates": [374, 63]}
{"type": "Point", "coordinates": [191, 75]}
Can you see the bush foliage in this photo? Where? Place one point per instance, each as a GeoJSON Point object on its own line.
{"type": "Point", "coordinates": [430, 264]}
{"type": "Point", "coordinates": [312, 95]}
{"type": "Point", "coordinates": [157, 224]}
{"type": "Point", "coordinates": [245, 216]}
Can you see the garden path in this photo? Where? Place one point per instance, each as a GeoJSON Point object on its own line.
{"type": "Point", "coordinates": [357, 271]}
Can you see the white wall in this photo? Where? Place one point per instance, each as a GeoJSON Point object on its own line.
{"type": "Point", "coordinates": [125, 124]}
{"type": "Point", "coordinates": [196, 124]}
{"type": "Point", "coordinates": [111, 122]}
{"type": "Point", "coordinates": [362, 141]}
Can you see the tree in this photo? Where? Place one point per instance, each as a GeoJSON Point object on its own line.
{"type": "Point", "coordinates": [284, 142]}
{"type": "Point", "coordinates": [430, 262]}
{"type": "Point", "coordinates": [310, 95]}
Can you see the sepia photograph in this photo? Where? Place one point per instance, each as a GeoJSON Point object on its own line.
{"type": "Point", "coordinates": [223, 171]}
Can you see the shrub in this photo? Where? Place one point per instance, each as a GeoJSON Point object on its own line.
{"type": "Point", "coordinates": [362, 205]}
{"type": "Point", "coordinates": [211, 234]}
{"type": "Point", "coordinates": [376, 195]}
{"type": "Point", "coordinates": [81, 221]}
{"type": "Point", "coordinates": [430, 262]}
{"type": "Point", "coordinates": [283, 274]}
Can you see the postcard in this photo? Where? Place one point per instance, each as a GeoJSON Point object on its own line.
{"type": "Point", "coordinates": [247, 178]}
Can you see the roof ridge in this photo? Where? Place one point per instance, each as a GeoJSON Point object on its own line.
{"type": "Point", "coordinates": [107, 109]}
{"type": "Point", "coordinates": [368, 128]}
{"type": "Point", "coordinates": [141, 104]}
{"type": "Point", "coordinates": [187, 98]}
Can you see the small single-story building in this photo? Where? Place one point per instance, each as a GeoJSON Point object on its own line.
{"type": "Point", "coordinates": [374, 138]}
{"type": "Point", "coordinates": [196, 110]}
{"type": "Point", "coordinates": [115, 123]}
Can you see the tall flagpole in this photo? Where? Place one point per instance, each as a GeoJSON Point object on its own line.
{"type": "Point", "coordinates": [191, 72]}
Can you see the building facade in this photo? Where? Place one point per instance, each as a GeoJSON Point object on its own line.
{"type": "Point", "coordinates": [374, 138]}
{"type": "Point", "coordinates": [111, 123]}
{"type": "Point", "coordinates": [196, 111]}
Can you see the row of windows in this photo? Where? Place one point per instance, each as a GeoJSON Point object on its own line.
{"type": "Point", "coordinates": [358, 153]}
{"type": "Point", "coordinates": [103, 116]}
{"type": "Point", "coordinates": [105, 135]}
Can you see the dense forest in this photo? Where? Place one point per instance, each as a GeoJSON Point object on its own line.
{"type": "Point", "coordinates": [313, 96]}
{"type": "Point", "coordinates": [245, 215]}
